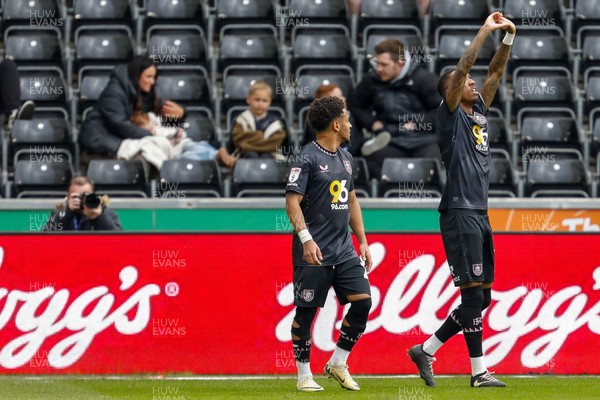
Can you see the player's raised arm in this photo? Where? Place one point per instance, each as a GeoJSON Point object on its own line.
{"type": "Point", "coordinates": [457, 79]}
{"type": "Point", "coordinates": [498, 64]}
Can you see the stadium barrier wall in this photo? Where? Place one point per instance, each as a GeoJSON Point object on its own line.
{"type": "Point", "coordinates": [268, 215]}
{"type": "Point", "coordinates": [222, 304]}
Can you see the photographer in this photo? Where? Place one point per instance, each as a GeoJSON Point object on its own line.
{"type": "Point", "coordinates": [83, 210]}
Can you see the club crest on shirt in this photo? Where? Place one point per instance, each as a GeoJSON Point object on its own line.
{"type": "Point", "coordinates": [294, 174]}
{"type": "Point", "coordinates": [348, 166]}
{"type": "Point", "coordinates": [308, 295]}
{"type": "Point", "coordinates": [479, 119]}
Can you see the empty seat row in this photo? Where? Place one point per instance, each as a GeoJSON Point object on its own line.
{"type": "Point", "coordinates": [554, 174]}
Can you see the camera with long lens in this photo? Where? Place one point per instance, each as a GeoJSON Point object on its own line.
{"type": "Point", "coordinates": [90, 200]}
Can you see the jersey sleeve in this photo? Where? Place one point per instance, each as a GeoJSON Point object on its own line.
{"type": "Point", "coordinates": [299, 176]}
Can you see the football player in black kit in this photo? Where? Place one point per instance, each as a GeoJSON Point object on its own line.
{"type": "Point", "coordinates": [466, 233]}
{"type": "Point", "coordinates": [321, 203]}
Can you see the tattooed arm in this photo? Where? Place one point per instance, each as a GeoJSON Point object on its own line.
{"type": "Point", "coordinates": [497, 67]}
{"type": "Point", "coordinates": [457, 79]}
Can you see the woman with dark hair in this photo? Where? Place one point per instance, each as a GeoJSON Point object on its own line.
{"type": "Point", "coordinates": [130, 89]}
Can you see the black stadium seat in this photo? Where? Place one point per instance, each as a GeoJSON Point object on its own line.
{"type": "Point", "coordinates": [559, 177]}
{"type": "Point", "coordinates": [502, 182]}
{"type": "Point", "coordinates": [104, 44]}
{"type": "Point", "coordinates": [118, 178]}
{"type": "Point", "coordinates": [41, 139]}
{"type": "Point", "coordinates": [106, 10]}
{"type": "Point", "coordinates": [320, 45]}
{"type": "Point", "coordinates": [46, 87]}
{"type": "Point", "coordinates": [189, 178]}
{"type": "Point", "coordinates": [244, 12]}
{"type": "Point", "coordinates": [186, 84]}
{"type": "Point", "coordinates": [42, 179]}
{"type": "Point", "coordinates": [33, 45]}
{"type": "Point", "coordinates": [248, 45]}
{"type": "Point", "coordinates": [385, 12]}
{"type": "Point", "coordinates": [259, 177]}
{"type": "Point", "coordinates": [451, 43]}
{"type": "Point", "coordinates": [411, 178]}
{"type": "Point", "coordinates": [177, 44]}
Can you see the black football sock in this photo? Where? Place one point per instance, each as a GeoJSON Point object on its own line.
{"type": "Point", "coordinates": [470, 319]}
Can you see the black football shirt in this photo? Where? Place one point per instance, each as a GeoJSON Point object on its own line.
{"type": "Point", "coordinates": [464, 145]}
{"type": "Point", "coordinates": [325, 181]}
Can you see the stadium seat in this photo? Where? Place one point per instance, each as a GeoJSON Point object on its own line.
{"type": "Point", "coordinates": [48, 178]}
{"type": "Point", "coordinates": [321, 45]}
{"type": "Point", "coordinates": [38, 13]}
{"type": "Point", "coordinates": [188, 85]}
{"type": "Point", "coordinates": [103, 44]}
{"type": "Point", "coordinates": [548, 128]}
{"type": "Point", "coordinates": [456, 12]}
{"type": "Point", "coordinates": [315, 12]}
{"type": "Point", "coordinates": [451, 43]}
{"type": "Point", "coordinates": [543, 87]}
{"type": "Point", "coordinates": [248, 45]}
{"type": "Point", "coordinates": [587, 12]}
{"type": "Point", "coordinates": [113, 10]}
{"type": "Point", "coordinates": [177, 44]}
{"type": "Point", "coordinates": [591, 84]}
{"type": "Point", "coordinates": [92, 81]}
{"type": "Point", "coordinates": [189, 178]}
{"type": "Point", "coordinates": [309, 78]}
{"type": "Point", "coordinates": [498, 132]}
{"type": "Point", "coordinates": [533, 47]}
{"type": "Point", "coordinates": [118, 178]}
{"type": "Point", "coordinates": [45, 87]}
{"type": "Point", "coordinates": [259, 178]}
{"type": "Point", "coordinates": [41, 140]}
{"type": "Point", "coordinates": [386, 12]}
{"type": "Point", "coordinates": [33, 46]}
{"type": "Point", "coordinates": [540, 14]}
{"type": "Point", "coordinates": [502, 176]}
{"type": "Point", "coordinates": [245, 12]}
{"type": "Point", "coordinates": [415, 178]}
{"type": "Point", "coordinates": [200, 125]}
{"type": "Point", "coordinates": [588, 45]}
{"type": "Point", "coordinates": [176, 10]}
{"type": "Point", "coordinates": [361, 178]}
{"type": "Point", "coordinates": [557, 177]}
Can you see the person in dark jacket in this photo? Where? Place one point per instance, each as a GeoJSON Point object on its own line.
{"type": "Point", "coordinates": [77, 214]}
{"type": "Point", "coordinates": [356, 135]}
{"type": "Point", "coordinates": [397, 103]}
{"type": "Point", "coordinates": [130, 89]}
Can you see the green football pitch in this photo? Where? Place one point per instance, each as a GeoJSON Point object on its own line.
{"type": "Point", "coordinates": [189, 387]}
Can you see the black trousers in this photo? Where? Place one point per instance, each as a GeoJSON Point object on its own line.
{"type": "Point", "coordinates": [10, 89]}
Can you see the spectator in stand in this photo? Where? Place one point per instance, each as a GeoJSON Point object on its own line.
{"type": "Point", "coordinates": [108, 128]}
{"type": "Point", "coordinates": [397, 102]}
{"type": "Point", "coordinates": [10, 95]}
{"type": "Point", "coordinates": [356, 136]}
{"type": "Point", "coordinates": [258, 132]}
{"type": "Point", "coordinates": [83, 210]}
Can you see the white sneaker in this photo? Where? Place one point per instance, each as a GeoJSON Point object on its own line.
{"type": "Point", "coordinates": [375, 144]}
{"type": "Point", "coordinates": [308, 384]}
{"type": "Point", "coordinates": [340, 373]}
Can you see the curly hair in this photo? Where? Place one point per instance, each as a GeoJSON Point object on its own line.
{"type": "Point", "coordinates": [324, 110]}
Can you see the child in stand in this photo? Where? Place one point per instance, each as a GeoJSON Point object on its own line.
{"type": "Point", "coordinates": [258, 132]}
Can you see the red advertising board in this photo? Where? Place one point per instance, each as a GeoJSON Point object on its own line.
{"type": "Point", "coordinates": [222, 304]}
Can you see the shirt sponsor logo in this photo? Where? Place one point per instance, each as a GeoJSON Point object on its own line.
{"type": "Point", "coordinates": [324, 168]}
{"type": "Point", "coordinates": [340, 195]}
